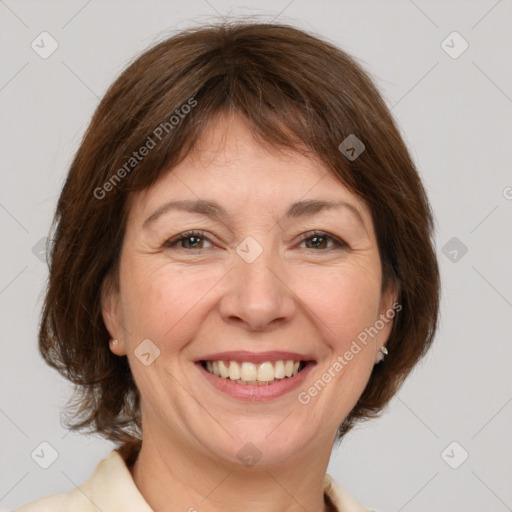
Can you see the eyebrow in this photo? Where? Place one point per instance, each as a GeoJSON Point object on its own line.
{"type": "Point", "coordinates": [212, 209]}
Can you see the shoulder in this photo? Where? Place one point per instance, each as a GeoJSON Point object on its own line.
{"type": "Point", "coordinates": [340, 498]}
{"type": "Point", "coordinates": [109, 487]}
{"type": "Point", "coordinates": [73, 500]}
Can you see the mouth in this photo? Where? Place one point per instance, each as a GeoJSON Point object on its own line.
{"type": "Point", "coordinates": [258, 376]}
{"type": "Point", "coordinates": [261, 373]}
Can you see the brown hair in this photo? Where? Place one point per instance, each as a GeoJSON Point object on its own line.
{"type": "Point", "coordinates": [295, 91]}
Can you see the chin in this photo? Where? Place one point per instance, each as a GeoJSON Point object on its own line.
{"type": "Point", "coordinates": [258, 442]}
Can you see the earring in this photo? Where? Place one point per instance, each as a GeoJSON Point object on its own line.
{"type": "Point", "coordinates": [383, 352]}
{"type": "Point", "coordinates": [114, 342]}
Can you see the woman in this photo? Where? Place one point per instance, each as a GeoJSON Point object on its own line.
{"type": "Point", "coordinates": [241, 239]}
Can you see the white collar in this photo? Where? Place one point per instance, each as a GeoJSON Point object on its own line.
{"type": "Point", "coordinates": [111, 488]}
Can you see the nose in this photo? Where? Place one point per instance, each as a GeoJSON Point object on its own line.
{"type": "Point", "coordinates": [258, 296]}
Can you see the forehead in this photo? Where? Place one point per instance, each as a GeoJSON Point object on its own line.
{"type": "Point", "coordinates": [230, 147]}
{"type": "Point", "coordinates": [243, 174]}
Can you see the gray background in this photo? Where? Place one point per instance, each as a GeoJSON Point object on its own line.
{"type": "Point", "coordinates": [455, 114]}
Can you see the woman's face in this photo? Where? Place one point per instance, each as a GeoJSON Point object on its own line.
{"type": "Point", "coordinates": [268, 276]}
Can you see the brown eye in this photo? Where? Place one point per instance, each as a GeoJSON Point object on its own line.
{"type": "Point", "coordinates": [320, 240]}
{"type": "Point", "coordinates": [317, 242]}
{"type": "Point", "coordinates": [196, 242]}
{"type": "Point", "coordinates": [188, 240]}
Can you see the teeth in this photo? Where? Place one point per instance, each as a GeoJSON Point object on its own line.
{"type": "Point", "coordinates": [254, 374]}
{"type": "Point", "coordinates": [248, 371]}
{"type": "Point", "coordinates": [288, 368]}
{"type": "Point", "coordinates": [266, 372]}
{"type": "Point", "coordinates": [279, 372]}
{"type": "Point", "coordinates": [234, 370]}
{"type": "Point", "coordinates": [224, 370]}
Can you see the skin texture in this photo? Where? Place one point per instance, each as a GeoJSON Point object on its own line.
{"type": "Point", "coordinates": [190, 302]}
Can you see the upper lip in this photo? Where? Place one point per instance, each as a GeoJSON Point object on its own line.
{"type": "Point", "coordinates": [255, 357]}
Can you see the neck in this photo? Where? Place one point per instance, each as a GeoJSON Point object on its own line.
{"type": "Point", "coordinates": [174, 476]}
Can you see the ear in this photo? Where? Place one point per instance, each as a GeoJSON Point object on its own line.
{"type": "Point", "coordinates": [388, 309]}
{"type": "Point", "coordinates": [111, 312]}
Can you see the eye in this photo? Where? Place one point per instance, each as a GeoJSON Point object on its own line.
{"type": "Point", "coordinates": [320, 240]}
{"type": "Point", "coordinates": [188, 240]}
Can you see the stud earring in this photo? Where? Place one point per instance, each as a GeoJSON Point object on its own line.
{"type": "Point", "coordinates": [383, 352]}
{"type": "Point", "coordinates": [114, 342]}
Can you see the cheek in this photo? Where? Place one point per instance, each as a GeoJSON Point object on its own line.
{"type": "Point", "coordinates": [162, 303]}
{"type": "Point", "coordinates": [344, 303]}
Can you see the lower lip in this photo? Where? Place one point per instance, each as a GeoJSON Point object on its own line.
{"type": "Point", "coordinates": [259, 392]}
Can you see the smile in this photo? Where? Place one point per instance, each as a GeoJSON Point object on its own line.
{"type": "Point", "coordinates": [256, 374]}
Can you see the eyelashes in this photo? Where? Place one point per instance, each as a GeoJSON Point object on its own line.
{"type": "Point", "coordinates": [185, 236]}
{"type": "Point", "coordinates": [336, 242]}
{"type": "Point", "coordinates": [315, 235]}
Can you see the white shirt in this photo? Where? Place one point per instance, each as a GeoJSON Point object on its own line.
{"type": "Point", "coordinates": [111, 489]}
